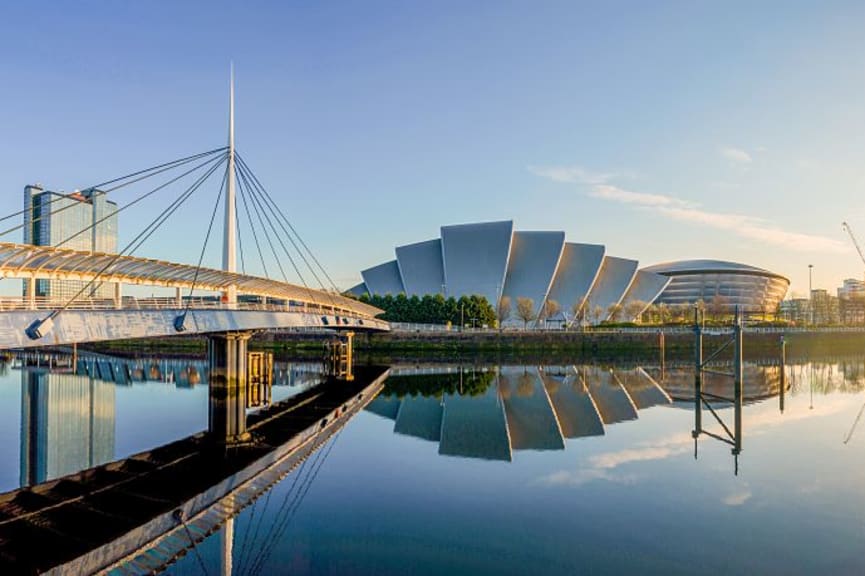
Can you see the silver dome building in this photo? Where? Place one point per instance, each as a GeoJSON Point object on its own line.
{"type": "Point", "coordinates": [723, 285]}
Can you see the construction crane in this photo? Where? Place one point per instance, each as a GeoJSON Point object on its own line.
{"type": "Point", "coordinates": [846, 227]}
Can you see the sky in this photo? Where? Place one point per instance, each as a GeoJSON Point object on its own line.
{"type": "Point", "coordinates": [663, 130]}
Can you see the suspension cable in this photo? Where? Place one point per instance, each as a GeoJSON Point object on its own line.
{"type": "Point", "coordinates": [253, 556]}
{"type": "Point", "coordinates": [287, 221]}
{"type": "Point", "coordinates": [293, 243]}
{"type": "Point", "coordinates": [299, 498]}
{"type": "Point", "coordinates": [285, 506]}
{"type": "Point", "coordinates": [160, 169]}
{"type": "Point", "coordinates": [268, 238]}
{"type": "Point", "coordinates": [139, 199]}
{"type": "Point", "coordinates": [131, 243]}
{"type": "Point", "coordinates": [257, 201]}
{"type": "Point", "coordinates": [177, 203]}
{"type": "Point", "coordinates": [206, 239]}
{"type": "Point", "coordinates": [252, 227]}
{"type": "Point", "coordinates": [161, 218]}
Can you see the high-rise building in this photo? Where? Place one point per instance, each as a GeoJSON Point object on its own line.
{"type": "Point", "coordinates": [851, 301]}
{"type": "Point", "coordinates": [84, 220]}
{"type": "Point", "coordinates": [852, 288]}
{"type": "Point", "coordinates": [825, 308]}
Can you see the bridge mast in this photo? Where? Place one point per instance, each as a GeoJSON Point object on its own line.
{"type": "Point", "coordinates": [229, 263]}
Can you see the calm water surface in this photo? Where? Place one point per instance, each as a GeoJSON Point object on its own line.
{"type": "Point", "coordinates": [505, 469]}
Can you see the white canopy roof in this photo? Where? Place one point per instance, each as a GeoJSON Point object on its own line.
{"type": "Point", "coordinates": [28, 261]}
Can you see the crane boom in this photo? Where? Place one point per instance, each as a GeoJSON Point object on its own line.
{"type": "Point", "coordinates": [853, 238]}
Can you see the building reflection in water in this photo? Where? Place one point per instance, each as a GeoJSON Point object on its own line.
{"type": "Point", "coordinates": [490, 413]}
{"type": "Point", "coordinates": [68, 419]}
{"type": "Point", "coordinates": [67, 424]}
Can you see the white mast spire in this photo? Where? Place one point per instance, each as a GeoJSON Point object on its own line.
{"type": "Point", "coordinates": [229, 260]}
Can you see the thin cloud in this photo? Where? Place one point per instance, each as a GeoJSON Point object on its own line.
{"type": "Point", "coordinates": [736, 155]}
{"type": "Point", "coordinates": [737, 498]}
{"type": "Point", "coordinates": [611, 460]}
{"type": "Point", "coordinates": [616, 194]}
{"type": "Point", "coordinates": [581, 477]}
{"type": "Point", "coordinates": [570, 174]}
{"type": "Point", "coordinates": [747, 227]}
{"type": "Point", "coordinates": [660, 449]}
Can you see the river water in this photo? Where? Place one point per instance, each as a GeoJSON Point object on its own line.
{"type": "Point", "coordinates": [501, 469]}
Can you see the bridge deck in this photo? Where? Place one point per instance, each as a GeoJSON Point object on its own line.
{"type": "Point", "coordinates": [88, 521]}
{"type": "Point", "coordinates": [46, 262]}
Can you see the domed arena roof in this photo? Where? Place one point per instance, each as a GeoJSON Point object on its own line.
{"type": "Point", "coordinates": [707, 266]}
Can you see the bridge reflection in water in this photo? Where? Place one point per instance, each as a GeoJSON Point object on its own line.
{"type": "Point", "coordinates": [139, 514]}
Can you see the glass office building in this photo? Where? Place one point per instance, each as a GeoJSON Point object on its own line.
{"type": "Point", "coordinates": [67, 220]}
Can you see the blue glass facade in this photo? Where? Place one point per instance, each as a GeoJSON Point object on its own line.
{"type": "Point", "coordinates": [82, 221]}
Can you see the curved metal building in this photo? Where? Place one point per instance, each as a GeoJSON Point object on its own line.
{"type": "Point", "coordinates": [493, 260]}
{"type": "Point", "coordinates": [724, 285]}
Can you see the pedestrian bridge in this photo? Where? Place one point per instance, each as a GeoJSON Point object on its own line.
{"type": "Point", "coordinates": [262, 303]}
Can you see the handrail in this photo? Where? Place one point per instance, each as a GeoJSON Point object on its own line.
{"type": "Point", "coordinates": [15, 303]}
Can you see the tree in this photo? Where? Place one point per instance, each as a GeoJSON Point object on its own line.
{"type": "Point", "coordinates": [633, 309]}
{"type": "Point", "coordinates": [663, 313]}
{"type": "Point", "coordinates": [717, 306]}
{"type": "Point", "coordinates": [683, 312]}
{"type": "Point", "coordinates": [482, 310]}
{"type": "Point", "coordinates": [432, 309]}
{"type": "Point", "coordinates": [578, 311]}
{"type": "Point", "coordinates": [503, 310]}
{"type": "Point", "coordinates": [525, 310]}
{"type": "Point", "coordinates": [595, 313]}
{"type": "Point", "coordinates": [549, 309]}
{"type": "Point", "coordinates": [614, 312]}
{"type": "Point", "coordinates": [526, 385]}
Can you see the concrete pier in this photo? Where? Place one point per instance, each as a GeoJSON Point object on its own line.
{"type": "Point", "coordinates": [226, 359]}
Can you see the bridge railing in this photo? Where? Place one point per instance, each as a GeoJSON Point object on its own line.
{"type": "Point", "coordinates": [12, 303]}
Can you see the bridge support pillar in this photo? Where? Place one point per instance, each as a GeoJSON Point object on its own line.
{"type": "Point", "coordinates": [118, 295]}
{"type": "Point", "coordinates": [226, 358]}
{"type": "Point", "coordinates": [31, 293]}
{"type": "Point", "coordinates": [340, 353]}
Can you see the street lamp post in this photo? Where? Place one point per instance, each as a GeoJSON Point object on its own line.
{"type": "Point", "coordinates": [810, 296]}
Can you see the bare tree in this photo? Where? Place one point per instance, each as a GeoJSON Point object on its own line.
{"type": "Point", "coordinates": [717, 306]}
{"type": "Point", "coordinates": [503, 310]}
{"type": "Point", "coordinates": [525, 310]}
{"type": "Point", "coordinates": [682, 311]}
{"type": "Point", "coordinates": [526, 385]}
{"type": "Point", "coordinates": [633, 310]}
{"type": "Point", "coordinates": [595, 313]}
{"type": "Point", "coordinates": [663, 313]}
{"type": "Point", "coordinates": [550, 308]}
{"type": "Point", "coordinates": [614, 311]}
{"type": "Point", "coordinates": [578, 311]}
